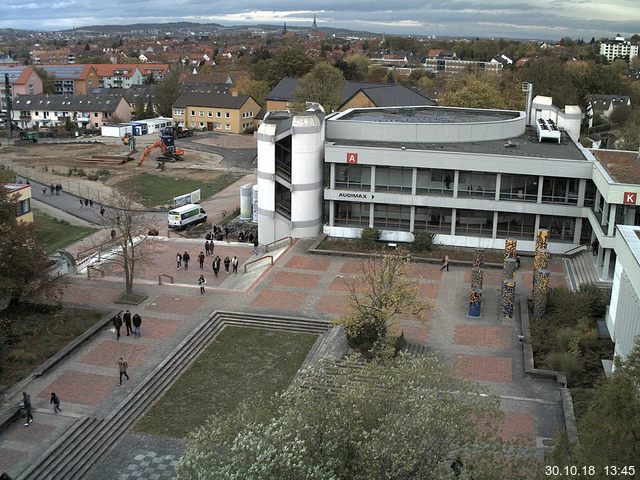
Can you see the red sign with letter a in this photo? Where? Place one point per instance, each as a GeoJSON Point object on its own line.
{"type": "Point", "coordinates": [352, 157]}
{"type": "Point", "coordinates": [630, 198]}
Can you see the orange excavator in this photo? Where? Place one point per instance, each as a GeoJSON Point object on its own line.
{"type": "Point", "coordinates": [169, 154]}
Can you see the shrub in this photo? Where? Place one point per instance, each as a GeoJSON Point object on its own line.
{"type": "Point", "coordinates": [369, 237]}
{"type": "Point", "coordinates": [564, 337]}
{"type": "Point", "coordinates": [422, 242]}
{"type": "Point", "coordinates": [21, 355]}
{"type": "Point", "coordinates": [569, 364]}
{"type": "Point", "coordinates": [362, 333]}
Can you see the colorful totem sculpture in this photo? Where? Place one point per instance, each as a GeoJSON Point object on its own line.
{"type": "Point", "coordinates": [508, 297]}
{"type": "Point", "coordinates": [541, 293]}
{"type": "Point", "coordinates": [475, 302]}
{"type": "Point", "coordinates": [508, 288]}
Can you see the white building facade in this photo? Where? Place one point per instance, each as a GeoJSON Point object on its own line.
{"type": "Point", "coordinates": [618, 48]}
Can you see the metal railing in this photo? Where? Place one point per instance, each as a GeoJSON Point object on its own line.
{"type": "Point", "coordinates": [573, 250]}
{"type": "Point", "coordinates": [164, 275]}
{"type": "Point", "coordinates": [289, 239]}
{"type": "Point", "coordinates": [270, 257]}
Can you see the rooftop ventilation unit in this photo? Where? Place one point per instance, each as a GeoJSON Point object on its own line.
{"type": "Point", "coordinates": [547, 129]}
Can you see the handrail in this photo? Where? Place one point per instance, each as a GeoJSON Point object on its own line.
{"type": "Point", "coordinates": [257, 260]}
{"type": "Point", "coordinates": [96, 269]}
{"type": "Point", "coordinates": [164, 275]}
{"type": "Point", "coordinates": [571, 250]}
{"type": "Point", "coordinates": [266, 247]}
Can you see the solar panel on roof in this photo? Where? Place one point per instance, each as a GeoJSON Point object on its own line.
{"type": "Point", "coordinates": [14, 73]}
{"type": "Point", "coordinates": [64, 71]}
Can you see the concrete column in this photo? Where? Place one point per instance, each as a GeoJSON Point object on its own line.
{"type": "Point", "coordinates": [494, 230]}
{"type": "Point", "coordinates": [371, 212]}
{"type": "Point", "coordinates": [605, 213]}
{"type": "Point", "coordinates": [605, 264]}
{"type": "Point", "coordinates": [373, 179]}
{"type": "Point", "coordinates": [414, 186]}
{"type": "Point", "coordinates": [456, 178]}
{"type": "Point", "coordinates": [332, 177]}
{"type": "Point", "coordinates": [498, 180]}
{"type": "Point", "coordinates": [596, 200]}
{"type": "Point", "coordinates": [582, 189]}
{"type": "Point", "coordinates": [540, 181]}
{"type": "Point", "coordinates": [332, 210]}
{"type": "Point", "coordinates": [412, 218]}
{"type": "Point", "coordinates": [577, 230]}
{"type": "Point", "coordinates": [453, 221]}
{"type": "Point", "coordinates": [612, 219]}
{"type": "Point", "coordinates": [599, 257]}
{"type": "Point", "coordinates": [536, 226]}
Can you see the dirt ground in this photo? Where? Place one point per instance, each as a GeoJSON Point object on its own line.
{"type": "Point", "coordinates": [50, 163]}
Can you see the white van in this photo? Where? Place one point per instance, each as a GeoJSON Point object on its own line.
{"type": "Point", "coordinates": [186, 215]}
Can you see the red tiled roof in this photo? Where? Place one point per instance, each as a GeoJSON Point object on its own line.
{"type": "Point", "coordinates": [623, 166]}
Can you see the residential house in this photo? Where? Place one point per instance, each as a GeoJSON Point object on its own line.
{"type": "Point", "coordinates": [225, 112]}
{"type": "Point", "coordinates": [125, 75]}
{"type": "Point", "coordinates": [604, 105]}
{"type": "Point", "coordinates": [59, 56]}
{"type": "Point", "coordinates": [354, 95]}
{"type": "Point", "coordinates": [22, 79]}
{"type": "Point", "coordinates": [618, 48]}
{"type": "Point", "coordinates": [442, 61]}
{"type": "Point", "coordinates": [23, 193]}
{"type": "Point", "coordinates": [72, 79]}
{"type": "Point", "coordinates": [131, 95]}
{"type": "Point", "coordinates": [157, 70]}
{"type": "Point", "coordinates": [87, 111]}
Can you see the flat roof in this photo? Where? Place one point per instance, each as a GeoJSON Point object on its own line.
{"type": "Point", "coordinates": [427, 114]}
{"type": "Point", "coordinates": [621, 165]}
{"type": "Point", "coordinates": [631, 235]}
{"type": "Point", "coordinates": [16, 186]}
{"type": "Point", "coordinates": [525, 145]}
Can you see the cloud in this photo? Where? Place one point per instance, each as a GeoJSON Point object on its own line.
{"type": "Point", "coordinates": [497, 18]}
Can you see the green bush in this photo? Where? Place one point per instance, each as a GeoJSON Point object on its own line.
{"type": "Point", "coordinates": [569, 364]}
{"type": "Point", "coordinates": [369, 237]}
{"type": "Point", "coordinates": [564, 337]}
{"type": "Point", "coordinates": [422, 242]}
{"type": "Point", "coordinates": [21, 355]}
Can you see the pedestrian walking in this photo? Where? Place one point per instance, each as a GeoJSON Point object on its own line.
{"type": "Point", "coordinates": [137, 323]}
{"type": "Point", "coordinates": [81, 203]}
{"type": "Point", "coordinates": [117, 324]}
{"type": "Point", "coordinates": [216, 265]}
{"type": "Point", "coordinates": [122, 367]}
{"type": "Point", "coordinates": [227, 262]}
{"type": "Point", "coordinates": [86, 202]}
{"type": "Point", "coordinates": [102, 211]}
{"type": "Point", "coordinates": [255, 246]}
{"type": "Point", "coordinates": [178, 261]}
{"type": "Point", "coordinates": [445, 262]}
{"type": "Point", "coordinates": [226, 233]}
{"type": "Point", "coordinates": [201, 282]}
{"type": "Point", "coordinates": [127, 321]}
{"type": "Point", "coordinates": [517, 261]}
{"type": "Point", "coordinates": [91, 203]}
{"type": "Point", "coordinates": [55, 401]}
{"type": "Point", "coordinates": [44, 192]}
{"type": "Point", "coordinates": [206, 248]}
{"type": "Point", "coordinates": [201, 260]}
{"type": "Point", "coordinates": [51, 189]}
{"type": "Point", "coordinates": [185, 260]}
{"type": "Point", "coordinates": [113, 234]}
{"type": "Point", "coordinates": [251, 238]}
{"type": "Point", "coordinates": [234, 264]}
{"type": "Point", "coordinates": [26, 404]}
{"type": "Point", "coordinates": [58, 188]}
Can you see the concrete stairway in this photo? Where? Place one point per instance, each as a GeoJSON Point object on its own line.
{"type": "Point", "coordinates": [76, 451]}
{"type": "Point", "coordinates": [583, 272]}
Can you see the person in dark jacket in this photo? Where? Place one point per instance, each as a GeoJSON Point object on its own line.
{"type": "Point", "coordinates": [185, 259]}
{"type": "Point", "coordinates": [117, 323]}
{"type": "Point", "coordinates": [227, 262]}
{"type": "Point", "coordinates": [201, 260]}
{"type": "Point", "coordinates": [127, 321]}
{"type": "Point", "coordinates": [55, 401]}
{"type": "Point", "coordinates": [216, 265]}
{"type": "Point", "coordinates": [137, 322]}
{"type": "Point", "coordinates": [26, 404]}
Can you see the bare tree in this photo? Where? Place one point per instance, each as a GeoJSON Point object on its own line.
{"type": "Point", "coordinates": [130, 237]}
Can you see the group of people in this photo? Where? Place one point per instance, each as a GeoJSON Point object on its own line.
{"type": "Point", "coordinates": [132, 323]}
{"type": "Point", "coordinates": [218, 234]}
{"type": "Point", "coordinates": [86, 203]}
{"type": "Point", "coordinates": [53, 189]}
{"type": "Point", "coordinates": [25, 406]}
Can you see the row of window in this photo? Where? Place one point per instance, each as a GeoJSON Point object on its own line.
{"type": "Point", "coordinates": [441, 182]}
{"type": "Point", "coordinates": [215, 126]}
{"type": "Point", "coordinates": [477, 223]}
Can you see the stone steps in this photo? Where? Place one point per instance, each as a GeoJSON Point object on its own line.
{"type": "Point", "coordinates": [82, 446]}
{"type": "Point", "coordinates": [584, 272]}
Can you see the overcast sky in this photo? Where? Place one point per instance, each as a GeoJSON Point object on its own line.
{"type": "Point", "coordinates": [547, 19]}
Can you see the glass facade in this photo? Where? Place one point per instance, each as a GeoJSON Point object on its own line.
{"type": "Point", "coordinates": [353, 177]}
{"type": "Point", "coordinates": [394, 179]}
{"type": "Point", "coordinates": [477, 184]}
{"type": "Point", "coordinates": [521, 188]}
{"type": "Point", "coordinates": [516, 225]}
{"type": "Point", "coordinates": [433, 219]}
{"type": "Point", "coordinates": [560, 190]}
{"type": "Point", "coordinates": [477, 223]}
{"type": "Point", "coordinates": [351, 214]}
{"type": "Point", "coordinates": [435, 182]}
{"type": "Point", "coordinates": [392, 217]}
{"type": "Point", "coordinates": [561, 229]}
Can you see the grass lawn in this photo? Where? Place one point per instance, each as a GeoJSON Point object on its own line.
{"type": "Point", "coordinates": [153, 190]}
{"type": "Point", "coordinates": [54, 234]}
{"type": "Point", "coordinates": [37, 332]}
{"type": "Point", "coordinates": [240, 364]}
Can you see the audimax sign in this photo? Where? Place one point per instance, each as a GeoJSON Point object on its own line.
{"type": "Point", "coordinates": [356, 195]}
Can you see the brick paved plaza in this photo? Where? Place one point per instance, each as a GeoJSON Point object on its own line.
{"type": "Point", "coordinates": [483, 349]}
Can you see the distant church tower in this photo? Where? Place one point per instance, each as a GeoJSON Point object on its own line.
{"type": "Point", "coordinates": [314, 25]}
{"type": "Point", "coordinates": [284, 30]}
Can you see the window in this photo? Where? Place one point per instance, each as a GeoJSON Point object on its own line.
{"type": "Point", "coordinates": [95, 124]}
{"type": "Point", "coordinates": [394, 179]}
{"type": "Point", "coordinates": [178, 112]}
{"type": "Point", "coordinates": [357, 177]}
{"type": "Point", "coordinates": [522, 188]}
{"type": "Point", "coordinates": [561, 229]}
{"type": "Point", "coordinates": [193, 113]}
{"type": "Point", "coordinates": [560, 190]}
{"type": "Point", "coordinates": [435, 181]}
{"type": "Point", "coordinates": [227, 115]}
{"type": "Point", "coordinates": [95, 114]}
{"type": "Point", "coordinates": [209, 114]}
{"type": "Point", "coordinates": [395, 217]}
{"type": "Point", "coordinates": [24, 206]}
{"type": "Point", "coordinates": [477, 184]}
{"type": "Point", "coordinates": [201, 113]}
{"type": "Point", "coordinates": [227, 127]}
{"type": "Point", "coordinates": [351, 214]}
{"type": "Point", "coordinates": [201, 124]}
{"type": "Point", "coordinates": [45, 114]}
{"type": "Point", "coordinates": [516, 225]}
{"type": "Point", "coordinates": [477, 223]}
{"type": "Point", "coordinates": [590, 194]}
{"type": "Point", "coordinates": [433, 219]}
{"type": "Point", "coordinates": [218, 114]}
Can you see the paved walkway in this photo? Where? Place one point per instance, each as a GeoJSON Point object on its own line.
{"type": "Point", "coordinates": [484, 349]}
